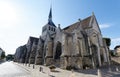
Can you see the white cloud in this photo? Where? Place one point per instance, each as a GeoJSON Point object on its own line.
{"type": "Point", "coordinates": [103, 26]}
{"type": "Point", "coordinates": [115, 42]}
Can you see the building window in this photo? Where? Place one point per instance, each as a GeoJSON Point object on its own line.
{"type": "Point", "coordinates": [49, 27]}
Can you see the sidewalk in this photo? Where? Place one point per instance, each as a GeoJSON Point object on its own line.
{"type": "Point", "coordinates": [46, 72]}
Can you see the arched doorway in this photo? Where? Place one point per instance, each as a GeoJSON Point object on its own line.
{"type": "Point", "coordinates": [58, 53]}
{"type": "Point", "coordinates": [95, 55]}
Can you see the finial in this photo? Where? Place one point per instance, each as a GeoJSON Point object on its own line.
{"type": "Point", "coordinates": [92, 13]}
{"type": "Point", "coordinates": [51, 4]}
{"type": "Point", "coordinates": [58, 25]}
{"type": "Point", "coordinates": [79, 20]}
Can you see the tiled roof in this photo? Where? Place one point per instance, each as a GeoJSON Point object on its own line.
{"type": "Point", "coordinates": [84, 23]}
{"type": "Point", "coordinates": [32, 39]}
{"type": "Point", "coordinates": [118, 46]}
{"type": "Point", "coordinates": [71, 27]}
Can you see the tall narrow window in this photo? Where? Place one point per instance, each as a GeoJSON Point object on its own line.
{"type": "Point", "coordinates": [54, 29]}
{"type": "Point", "coordinates": [49, 27]}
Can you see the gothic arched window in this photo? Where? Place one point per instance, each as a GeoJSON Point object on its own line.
{"type": "Point", "coordinates": [49, 27]}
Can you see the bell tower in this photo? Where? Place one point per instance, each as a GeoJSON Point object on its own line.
{"type": "Point", "coordinates": [50, 26]}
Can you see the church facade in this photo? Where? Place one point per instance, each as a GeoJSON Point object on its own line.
{"type": "Point", "coordinates": [78, 45]}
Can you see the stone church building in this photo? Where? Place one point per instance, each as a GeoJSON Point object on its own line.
{"type": "Point", "coordinates": [78, 45]}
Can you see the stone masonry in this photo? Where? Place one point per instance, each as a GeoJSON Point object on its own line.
{"type": "Point", "coordinates": [79, 45]}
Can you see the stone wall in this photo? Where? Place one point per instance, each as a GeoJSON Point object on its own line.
{"type": "Point", "coordinates": [79, 45]}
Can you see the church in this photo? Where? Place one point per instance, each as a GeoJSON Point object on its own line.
{"type": "Point", "coordinates": [78, 45]}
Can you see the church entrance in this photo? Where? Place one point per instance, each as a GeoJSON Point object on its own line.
{"type": "Point", "coordinates": [58, 54]}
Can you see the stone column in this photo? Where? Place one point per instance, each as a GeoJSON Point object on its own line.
{"type": "Point", "coordinates": [81, 49]}
{"type": "Point", "coordinates": [93, 64]}
{"type": "Point", "coordinates": [108, 55]}
{"type": "Point", "coordinates": [39, 58]}
{"type": "Point", "coordinates": [63, 55]}
{"type": "Point", "coordinates": [99, 57]}
{"type": "Point", "coordinates": [105, 54]}
{"type": "Point", "coordinates": [49, 53]}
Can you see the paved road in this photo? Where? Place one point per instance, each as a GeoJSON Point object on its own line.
{"type": "Point", "coordinates": [9, 69]}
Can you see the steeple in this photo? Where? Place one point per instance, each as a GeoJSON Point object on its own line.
{"type": "Point", "coordinates": [50, 27]}
{"type": "Point", "coordinates": [50, 22]}
{"type": "Point", "coordinates": [50, 14]}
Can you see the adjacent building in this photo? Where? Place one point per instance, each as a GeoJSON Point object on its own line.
{"type": "Point", "coordinates": [2, 53]}
{"type": "Point", "coordinates": [117, 50]}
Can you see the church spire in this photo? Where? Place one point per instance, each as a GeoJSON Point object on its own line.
{"type": "Point", "coordinates": [50, 13]}
{"type": "Point", "coordinates": [50, 22]}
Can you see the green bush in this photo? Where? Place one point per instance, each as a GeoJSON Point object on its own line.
{"type": "Point", "coordinates": [52, 67]}
{"type": "Point", "coordinates": [3, 55]}
{"type": "Point", "coordinates": [68, 67]}
{"type": "Point", "coordinates": [108, 41]}
{"type": "Point", "coordinates": [71, 67]}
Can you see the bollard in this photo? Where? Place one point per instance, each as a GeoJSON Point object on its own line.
{"type": "Point", "coordinates": [109, 69]}
{"type": "Point", "coordinates": [99, 73]}
{"type": "Point", "coordinates": [72, 73]}
{"type": "Point", "coordinates": [117, 69]}
{"type": "Point", "coordinates": [40, 69]}
{"type": "Point", "coordinates": [29, 65]}
{"type": "Point", "coordinates": [48, 73]}
{"type": "Point", "coordinates": [33, 66]}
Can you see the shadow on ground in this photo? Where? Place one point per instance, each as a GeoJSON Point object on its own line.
{"type": "Point", "coordinates": [107, 71]}
{"type": "Point", "coordinates": [1, 61]}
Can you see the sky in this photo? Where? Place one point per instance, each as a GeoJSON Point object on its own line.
{"type": "Point", "coordinates": [20, 19]}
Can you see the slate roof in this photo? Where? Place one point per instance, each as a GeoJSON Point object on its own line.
{"type": "Point", "coordinates": [50, 22]}
{"type": "Point", "coordinates": [85, 22]}
{"type": "Point", "coordinates": [118, 46]}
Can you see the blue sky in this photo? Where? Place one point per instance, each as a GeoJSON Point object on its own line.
{"type": "Point", "coordinates": [20, 19]}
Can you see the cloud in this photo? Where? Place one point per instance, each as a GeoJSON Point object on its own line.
{"type": "Point", "coordinates": [103, 26]}
{"type": "Point", "coordinates": [115, 42]}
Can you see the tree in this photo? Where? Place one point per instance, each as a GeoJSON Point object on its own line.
{"type": "Point", "coordinates": [9, 57]}
{"type": "Point", "coordinates": [108, 41]}
{"type": "Point", "coordinates": [3, 55]}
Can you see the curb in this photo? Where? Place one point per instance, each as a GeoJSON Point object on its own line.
{"type": "Point", "coordinates": [24, 67]}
